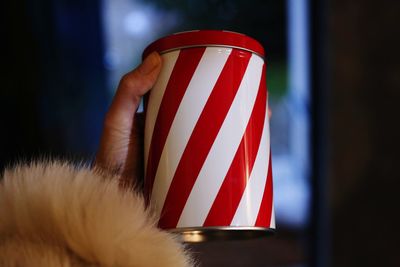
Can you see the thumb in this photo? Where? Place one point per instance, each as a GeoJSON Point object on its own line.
{"type": "Point", "coordinates": [119, 121]}
{"type": "Point", "coordinates": [134, 85]}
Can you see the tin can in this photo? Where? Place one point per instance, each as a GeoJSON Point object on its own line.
{"type": "Point", "coordinates": [207, 144]}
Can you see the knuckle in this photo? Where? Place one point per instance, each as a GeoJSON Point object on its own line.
{"type": "Point", "coordinates": [126, 80]}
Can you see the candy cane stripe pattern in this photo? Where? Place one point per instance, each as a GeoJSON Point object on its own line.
{"type": "Point", "coordinates": [207, 145]}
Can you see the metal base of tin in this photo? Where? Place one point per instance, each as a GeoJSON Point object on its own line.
{"type": "Point", "coordinates": [202, 234]}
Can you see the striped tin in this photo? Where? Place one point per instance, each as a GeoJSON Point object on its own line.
{"type": "Point", "coordinates": [207, 144]}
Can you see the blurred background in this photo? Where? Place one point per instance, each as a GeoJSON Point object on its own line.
{"type": "Point", "coordinates": [333, 76]}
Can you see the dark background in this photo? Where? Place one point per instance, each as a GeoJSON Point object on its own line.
{"type": "Point", "coordinates": [363, 132]}
{"type": "Point", "coordinates": [53, 94]}
{"type": "Point", "coordinates": [52, 71]}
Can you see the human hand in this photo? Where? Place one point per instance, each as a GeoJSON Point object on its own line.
{"type": "Point", "coordinates": [121, 144]}
{"type": "Point", "coordinates": [120, 150]}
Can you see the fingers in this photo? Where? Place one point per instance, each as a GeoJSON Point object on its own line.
{"type": "Point", "coordinates": [118, 138]}
{"type": "Point", "coordinates": [132, 87]}
{"type": "Point", "coordinates": [141, 79]}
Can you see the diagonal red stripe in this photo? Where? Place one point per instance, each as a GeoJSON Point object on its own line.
{"type": "Point", "coordinates": [203, 136]}
{"type": "Point", "coordinates": [181, 75]}
{"type": "Point", "coordinates": [265, 212]}
{"type": "Point", "coordinates": [228, 198]}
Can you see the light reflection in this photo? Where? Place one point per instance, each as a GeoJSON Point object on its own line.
{"type": "Point", "coordinates": [137, 23]}
{"type": "Point", "coordinates": [291, 169]}
{"type": "Point", "coordinates": [193, 236]}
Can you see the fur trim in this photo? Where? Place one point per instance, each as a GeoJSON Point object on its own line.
{"type": "Point", "coordinates": [54, 214]}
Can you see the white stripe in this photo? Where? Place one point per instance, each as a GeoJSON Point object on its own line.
{"type": "Point", "coordinates": [272, 224]}
{"type": "Point", "coordinates": [224, 148]}
{"type": "Point", "coordinates": [249, 206]}
{"type": "Point", "coordinates": [156, 95]}
{"type": "Point", "coordinates": [193, 102]}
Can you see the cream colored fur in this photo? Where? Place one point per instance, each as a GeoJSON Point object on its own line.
{"type": "Point", "coordinates": [55, 214]}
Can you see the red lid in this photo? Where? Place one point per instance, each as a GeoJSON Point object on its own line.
{"type": "Point", "coordinates": [205, 38]}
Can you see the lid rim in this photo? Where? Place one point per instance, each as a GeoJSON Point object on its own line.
{"type": "Point", "coordinates": [211, 45]}
{"type": "Point", "coordinates": [198, 38]}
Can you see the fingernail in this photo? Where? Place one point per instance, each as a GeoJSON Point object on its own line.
{"type": "Point", "coordinates": [150, 63]}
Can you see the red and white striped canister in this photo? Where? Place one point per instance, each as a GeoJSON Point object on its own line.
{"type": "Point", "coordinates": [207, 142]}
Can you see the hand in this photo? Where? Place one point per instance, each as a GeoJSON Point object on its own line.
{"type": "Point", "coordinates": [121, 143]}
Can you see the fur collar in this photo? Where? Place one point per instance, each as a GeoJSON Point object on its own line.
{"type": "Point", "coordinates": [57, 214]}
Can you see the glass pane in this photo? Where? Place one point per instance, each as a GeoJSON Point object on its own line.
{"type": "Point", "coordinates": [131, 25]}
{"type": "Point", "coordinates": [281, 27]}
